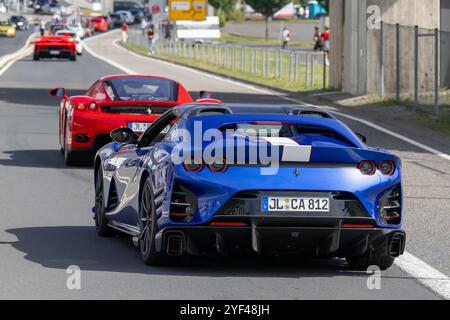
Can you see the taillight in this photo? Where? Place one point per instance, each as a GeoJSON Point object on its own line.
{"type": "Point", "coordinates": [387, 167]}
{"type": "Point", "coordinates": [367, 167]}
{"type": "Point", "coordinates": [81, 107]}
{"type": "Point", "coordinates": [218, 165]}
{"type": "Point", "coordinates": [194, 166]}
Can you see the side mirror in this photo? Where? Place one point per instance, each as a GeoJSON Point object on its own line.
{"type": "Point", "coordinates": [123, 136]}
{"type": "Point", "coordinates": [58, 93]}
{"type": "Point", "coordinates": [362, 137]}
{"type": "Point", "coordinates": [204, 95]}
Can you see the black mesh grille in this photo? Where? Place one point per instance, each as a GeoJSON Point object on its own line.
{"type": "Point", "coordinates": [134, 109]}
{"type": "Point", "coordinates": [390, 207]}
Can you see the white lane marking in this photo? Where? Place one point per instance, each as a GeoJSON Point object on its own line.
{"type": "Point", "coordinates": [424, 273]}
{"type": "Point", "coordinates": [14, 60]}
{"type": "Point", "coordinates": [396, 135]}
{"type": "Point", "coordinates": [8, 60]}
{"type": "Point", "coordinates": [109, 61]}
{"type": "Point", "coordinates": [202, 73]}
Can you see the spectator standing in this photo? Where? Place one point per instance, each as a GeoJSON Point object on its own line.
{"type": "Point", "coordinates": [152, 38]}
{"type": "Point", "coordinates": [168, 32]}
{"type": "Point", "coordinates": [318, 43]}
{"type": "Point", "coordinates": [326, 42]}
{"type": "Point", "coordinates": [42, 27]}
{"type": "Point", "coordinates": [287, 36]}
{"type": "Point", "coordinates": [143, 25]}
{"type": "Point", "coordinates": [124, 33]}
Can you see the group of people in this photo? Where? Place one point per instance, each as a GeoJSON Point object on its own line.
{"type": "Point", "coordinates": [322, 40]}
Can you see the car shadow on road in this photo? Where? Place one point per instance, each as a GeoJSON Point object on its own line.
{"type": "Point", "coordinates": [61, 247]}
{"type": "Point", "coordinates": [37, 159]}
{"type": "Point", "coordinates": [32, 96]}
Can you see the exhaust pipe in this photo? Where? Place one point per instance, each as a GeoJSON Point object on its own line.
{"type": "Point", "coordinates": [175, 244]}
{"type": "Point", "coordinates": [397, 246]}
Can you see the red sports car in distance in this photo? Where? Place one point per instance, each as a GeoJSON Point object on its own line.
{"type": "Point", "coordinates": [133, 101]}
{"type": "Point", "coordinates": [55, 47]}
{"type": "Point", "coordinates": [101, 23]}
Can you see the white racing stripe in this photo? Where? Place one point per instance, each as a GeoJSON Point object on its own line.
{"type": "Point", "coordinates": [421, 271]}
{"type": "Point", "coordinates": [292, 151]}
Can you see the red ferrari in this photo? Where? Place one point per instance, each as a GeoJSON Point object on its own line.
{"type": "Point", "coordinates": [133, 101]}
{"type": "Point", "coordinates": [101, 23]}
{"type": "Point", "coordinates": [55, 46]}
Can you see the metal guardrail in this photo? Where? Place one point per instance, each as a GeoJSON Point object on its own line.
{"type": "Point", "coordinates": [308, 69]}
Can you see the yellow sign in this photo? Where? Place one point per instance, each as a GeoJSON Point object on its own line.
{"type": "Point", "coordinates": [194, 10]}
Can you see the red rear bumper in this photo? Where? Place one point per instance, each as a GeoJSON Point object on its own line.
{"type": "Point", "coordinates": [46, 49]}
{"type": "Point", "coordinates": [90, 131]}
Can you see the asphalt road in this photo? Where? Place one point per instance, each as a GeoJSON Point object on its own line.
{"type": "Point", "coordinates": [45, 223]}
{"type": "Point", "coordinates": [10, 45]}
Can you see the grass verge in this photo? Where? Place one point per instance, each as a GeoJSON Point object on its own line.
{"type": "Point", "coordinates": [206, 64]}
{"type": "Point", "coordinates": [257, 41]}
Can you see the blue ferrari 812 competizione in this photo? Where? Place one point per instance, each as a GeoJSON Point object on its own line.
{"type": "Point", "coordinates": [229, 179]}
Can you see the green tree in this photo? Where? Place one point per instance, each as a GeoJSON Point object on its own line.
{"type": "Point", "coordinates": [267, 8]}
{"type": "Point", "coordinates": [225, 9]}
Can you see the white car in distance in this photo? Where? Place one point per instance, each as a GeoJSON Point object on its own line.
{"type": "Point", "coordinates": [72, 33]}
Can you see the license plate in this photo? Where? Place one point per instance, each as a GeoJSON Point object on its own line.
{"type": "Point", "coordinates": [290, 204]}
{"type": "Point", "coordinates": [139, 126]}
{"type": "Point", "coordinates": [54, 52]}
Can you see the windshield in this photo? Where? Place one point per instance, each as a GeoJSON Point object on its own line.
{"type": "Point", "coordinates": [142, 89]}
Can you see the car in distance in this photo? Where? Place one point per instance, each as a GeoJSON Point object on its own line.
{"type": "Point", "coordinates": [7, 29]}
{"type": "Point", "coordinates": [55, 47]}
{"type": "Point", "coordinates": [134, 101]}
{"type": "Point", "coordinates": [101, 23]}
{"type": "Point", "coordinates": [330, 195]}
{"type": "Point", "coordinates": [20, 22]}
{"type": "Point", "coordinates": [74, 35]}
{"type": "Point", "coordinates": [78, 29]}
{"type": "Point", "coordinates": [137, 9]}
{"type": "Point", "coordinates": [127, 16]}
{"type": "Point", "coordinates": [117, 20]}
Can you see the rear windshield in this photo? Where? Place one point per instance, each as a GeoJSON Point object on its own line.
{"type": "Point", "coordinates": [142, 89]}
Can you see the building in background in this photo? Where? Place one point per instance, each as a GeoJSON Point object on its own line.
{"type": "Point", "coordinates": [356, 49]}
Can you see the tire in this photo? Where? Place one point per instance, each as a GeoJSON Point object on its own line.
{"type": "Point", "coordinates": [36, 57]}
{"type": "Point", "coordinates": [73, 57]}
{"type": "Point", "coordinates": [147, 226]}
{"type": "Point", "coordinates": [69, 156]}
{"type": "Point", "coordinates": [368, 259]}
{"type": "Point", "coordinates": [101, 223]}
